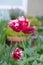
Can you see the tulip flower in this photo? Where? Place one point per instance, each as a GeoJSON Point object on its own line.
{"type": "Point", "coordinates": [17, 54]}
{"type": "Point", "coordinates": [30, 30]}
{"type": "Point", "coordinates": [22, 24]}
{"type": "Point", "coordinates": [14, 25]}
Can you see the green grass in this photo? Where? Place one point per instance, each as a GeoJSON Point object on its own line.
{"type": "Point", "coordinates": [3, 26]}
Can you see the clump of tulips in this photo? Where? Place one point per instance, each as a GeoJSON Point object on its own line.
{"type": "Point", "coordinates": [22, 24]}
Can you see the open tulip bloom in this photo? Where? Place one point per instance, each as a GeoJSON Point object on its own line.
{"type": "Point", "coordinates": [22, 24]}
{"type": "Point", "coordinates": [17, 54]}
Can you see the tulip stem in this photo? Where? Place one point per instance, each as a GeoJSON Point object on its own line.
{"type": "Point", "coordinates": [24, 48]}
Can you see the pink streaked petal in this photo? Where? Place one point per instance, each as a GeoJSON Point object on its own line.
{"type": "Point", "coordinates": [21, 18]}
{"type": "Point", "coordinates": [21, 53]}
{"type": "Point", "coordinates": [13, 21]}
{"type": "Point", "coordinates": [16, 24]}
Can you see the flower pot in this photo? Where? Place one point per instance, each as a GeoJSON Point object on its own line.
{"type": "Point", "coordinates": [13, 40]}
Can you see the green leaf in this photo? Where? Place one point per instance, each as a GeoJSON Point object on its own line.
{"type": "Point", "coordinates": [41, 58]}
{"type": "Point", "coordinates": [40, 64]}
{"type": "Point", "coordinates": [4, 63]}
{"type": "Point", "coordinates": [29, 51]}
{"type": "Point", "coordinates": [21, 63]}
{"type": "Point", "coordinates": [30, 59]}
{"type": "Point", "coordinates": [34, 63]}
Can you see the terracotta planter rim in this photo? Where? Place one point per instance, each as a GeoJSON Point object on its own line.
{"type": "Point", "coordinates": [11, 38]}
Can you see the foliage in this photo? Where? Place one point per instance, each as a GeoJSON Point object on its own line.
{"type": "Point", "coordinates": [35, 22]}
{"type": "Point", "coordinates": [32, 48]}
{"type": "Point", "coordinates": [10, 32]}
{"type": "Point", "coordinates": [3, 25]}
{"type": "Point", "coordinates": [29, 17]}
{"type": "Point", "coordinates": [14, 13]}
{"type": "Point", "coordinates": [32, 55]}
{"type": "Point", "coordinates": [40, 18]}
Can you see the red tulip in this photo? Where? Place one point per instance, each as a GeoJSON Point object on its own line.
{"type": "Point", "coordinates": [30, 30]}
{"type": "Point", "coordinates": [17, 53]}
{"type": "Point", "coordinates": [14, 24]}
{"type": "Point", "coordinates": [24, 23]}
